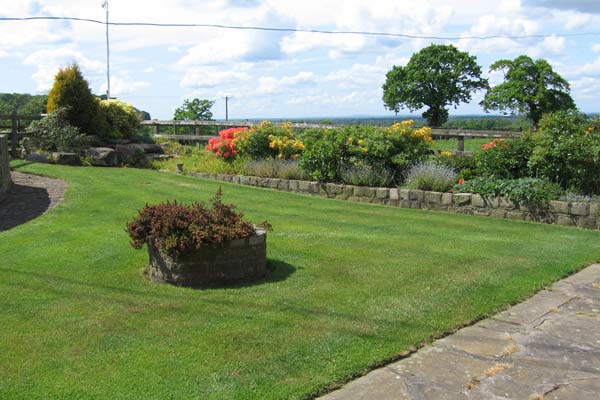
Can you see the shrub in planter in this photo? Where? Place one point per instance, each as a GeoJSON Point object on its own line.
{"type": "Point", "coordinates": [531, 191]}
{"type": "Point", "coordinates": [52, 133]}
{"type": "Point", "coordinates": [194, 245]}
{"type": "Point", "coordinates": [431, 176]}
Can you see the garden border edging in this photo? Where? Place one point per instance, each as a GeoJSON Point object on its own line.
{"type": "Point", "coordinates": [579, 214]}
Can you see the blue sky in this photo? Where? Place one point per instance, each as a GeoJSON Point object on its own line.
{"type": "Point", "coordinates": [283, 74]}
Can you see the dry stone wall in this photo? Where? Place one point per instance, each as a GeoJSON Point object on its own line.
{"type": "Point", "coordinates": [5, 181]}
{"type": "Point", "coordinates": [582, 215]}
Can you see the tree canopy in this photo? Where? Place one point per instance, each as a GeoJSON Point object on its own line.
{"type": "Point", "coordinates": [23, 104]}
{"type": "Point", "coordinates": [436, 77]}
{"type": "Point", "coordinates": [195, 109]}
{"type": "Point", "coordinates": [531, 88]}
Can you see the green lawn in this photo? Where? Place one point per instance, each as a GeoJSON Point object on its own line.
{"type": "Point", "coordinates": [473, 145]}
{"type": "Point", "coordinates": [352, 285]}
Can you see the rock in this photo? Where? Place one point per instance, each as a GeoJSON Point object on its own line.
{"type": "Point", "coordinates": [103, 156]}
{"type": "Point", "coordinates": [153, 148]}
{"type": "Point", "coordinates": [38, 157]}
{"type": "Point", "coordinates": [66, 158]}
{"type": "Point", "coordinates": [130, 154]}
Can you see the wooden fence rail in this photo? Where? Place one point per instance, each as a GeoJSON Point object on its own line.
{"type": "Point", "coordinates": [15, 128]}
{"type": "Point", "coordinates": [437, 133]}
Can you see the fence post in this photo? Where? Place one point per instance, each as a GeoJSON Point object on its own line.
{"type": "Point", "coordinates": [460, 143]}
{"type": "Point", "coordinates": [157, 129]}
{"type": "Point", "coordinates": [13, 136]}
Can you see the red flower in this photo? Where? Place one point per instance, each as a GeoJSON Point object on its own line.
{"type": "Point", "coordinates": [461, 181]}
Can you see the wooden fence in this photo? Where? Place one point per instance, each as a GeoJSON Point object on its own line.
{"type": "Point", "coordinates": [437, 133]}
{"type": "Point", "coordinates": [14, 126]}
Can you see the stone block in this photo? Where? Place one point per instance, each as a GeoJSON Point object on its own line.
{"type": "Point", "coordinates": [377, 201]}
{"type": "Point", "coordinates": [244, 180]}
{"type": "Point", "coordinates": [235, 179]}
{"type": "Point", "coordinates": [565, 220]}
{"type": "Point", "coordinates": [304, 186]}
{"type": "Point", "coordinates": [394, 194]}
{"type": "Point", "coordinates": [586, 222]}
{"type": "Point", "coordinates": [314, 188]}
{"type": "Point", "coordinates": [404, 204]}
{"type": "Point", "coordinates": [561, 207]}
{"type": "Point", "coordinates": [462, 199]}
{"type": "Point", "coordinates": [506, 203]}
{"type": "Point", "coordinates": [364, 191]}
{"type": "Point", "coordinates": [382, 193]}
{"type": "Point", "coordinates": [334, 189]}
{"type": "Point", "coordinates": [416, 204]}
{"type": "Point", "coordinates": [404, 194]}
{"type": "Point", "coordinates": [283, 184]}
{"type": "Point", "coordinates": [432, 197]}
{"type": "Point", "coordinates": [446, 199]}
{"type": "Point", "coordinates": [477, 201]}
{"type": "Point", "coordinates": [580, 209]}
{"type": "Point", "coordinates": [293, 185]}
{"type": "Point", "coordinates": [416, 195]}
{"type": "Point", "coordinates": [392, 203]}
{"type": "Point", "coordinates": [366, 199]}
{"type": "Point", "coordinates": [253, 181]}
{"type": "Point", "coordinates": [516, 215]}
{"type": "Point", "coordinates": [594, 209]}
{"type": "Point", "coordinates": [354, 198]}
{"type": "Point", "coordinates": [347, 190]}
{"type": "Point", "coordinates": [498, 213]}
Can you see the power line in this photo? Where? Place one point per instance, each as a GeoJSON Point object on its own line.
{"type": "Point", "coordinates": [320, 31]}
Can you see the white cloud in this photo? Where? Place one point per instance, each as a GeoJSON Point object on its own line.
{"type": "Point", "coordinates": [596, 48]}
{"type": "Point", "coordinates": [209, 77]}
{"type": "Point", "coordinates": [271, 85]}
{"type": "Point", "coordinates": [123, 85]}
{"type": "Point", "coordinates": [48, 62]}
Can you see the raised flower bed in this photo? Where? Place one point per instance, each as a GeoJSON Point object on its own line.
{"type": "Point", "coordinates": [194, 245]}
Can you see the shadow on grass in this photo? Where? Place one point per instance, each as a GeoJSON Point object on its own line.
{"type": "Point", "coordinates": [278, 271]}
{"type": "Point", "coordinates": [22, 204]}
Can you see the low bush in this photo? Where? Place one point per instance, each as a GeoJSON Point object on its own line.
{"type": "Point", "coordinates": [325, 152]}
{"type": "Point", "coordinates": [121, 120]}
{"type": "Point", "coordinates": [225, 146]}
{"type": "Point", "coordinates": [531, 191]}
{"type": "Point", "coordinates": [200, 160]}
{"type": "Point", "coordinates": [52, 133]}
{"type": "Point", "coordinates": [567, 151]}
{"type": "Point", "coordinates": [431, 176]}
{"type": "Point", "coordinates": [505, 159]}
{"type": "Point", "coordinates": [464, 166]}
{"type": "Point", "coordinates": [259, 141]}
{"type": "Point", "coordinates": [274, 168]}
{"type": "Point", "coordinates": [177, 229]}
{"type": "Point", "coordinates": [362, 174]}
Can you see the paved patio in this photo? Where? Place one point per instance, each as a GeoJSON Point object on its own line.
{"type": "Point", "coordinates": [547, 347]}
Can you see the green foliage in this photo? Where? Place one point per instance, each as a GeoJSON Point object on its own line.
{"type": "Point", "coordinates": [463, 165]}
{"type": "Point", "coordinates": [567, 151]}
{"type": "Point", "coordinates": [362, 174]}
{"type": "Point", "coordinates": [72, 92]}
{"type": "Point", "coordinates": [22, 104]}
{"type": "Point", "coordinates": [530, 87]}
{"type": "Point", "coordinates": [177, 229]}
{"type": "Point", "coordinates": [506, 158]}
{"type": "Point", "coordinates": [121, 120]}
{"type": "Point", "coordinates": [431, 176]}
{"type": "Point", "coordinates": [199, 160]}
{"type": "Point", "coordinates": [325, 152]}
{"type": "Point", "coordinates": [52, 133]}
{"type": "Point", "coordinates": [194, 110]}
{"type": "Point", "coordinates": [255, 142]}
{"type": "Point", "coordinates": [437, 76]}
{"type": "Point", "coordinates": [530, 191]}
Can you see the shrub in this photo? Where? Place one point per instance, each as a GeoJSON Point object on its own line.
{"type": "Point", "coordinates": [225, 146]}
{"type": "Point", "coordinates": [530, 191]}
{"type": "Point", "coordinates": [431, 176]}
{"type": "Point", "coordinates": [362, 174]}
{"type": "Point", "coordinates": [72, 92]}
{"type": "Point", "coordinates": [274, 168]}
{"type": "Point", "coordinates": [465, 166]}
{"type": "Point", "coordinates": [256, 143]}
{"type": "Point", "coordinates": [325, 152]}
{"type": "Point", "coordinates": [52, 133]}
{"type": "Point", "coordinates": [121, 120]}
{"type": "Point", "coordinates": [505, 158]}
{"type": "Point", "coordinates": [567, 151]}
{"type": "Point", "coordinates": [178, 229]}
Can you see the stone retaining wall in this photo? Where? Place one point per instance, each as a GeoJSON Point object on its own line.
{"type": "Point", "coordinates": [5, 182]}
{"type": "Point", "coordinates": [582, 215]}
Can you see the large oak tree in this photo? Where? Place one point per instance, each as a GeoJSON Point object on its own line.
{"type": "Point", "coordinates": [436, 77]}
{"type": "Point", "coordinates": [531, 88]}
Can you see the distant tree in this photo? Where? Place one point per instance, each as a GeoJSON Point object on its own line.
{"type": "Point", "coordinates": [437, 76]}
{"type": "Point", "coordinates": [195, 109]}
{"type": "Point", "coordinates": [72, 91]}
{"type": "Point", "coordinates": [531, 88]}
{"type": "Point", "coordinates": [23, 104]}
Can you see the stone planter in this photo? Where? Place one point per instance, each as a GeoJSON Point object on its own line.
{"type": "Point", "coordinates": [239, 260]}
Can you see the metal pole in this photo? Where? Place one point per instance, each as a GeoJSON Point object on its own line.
{"type": "Point", "coordinates": [226, 108]}
{"type": "Point", "coordinates": [105, 5]}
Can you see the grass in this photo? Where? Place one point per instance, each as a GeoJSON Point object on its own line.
{"type": "Point", "coordinates": [352, 285]}
{"type": "Point", "coordinates": [473, 145]}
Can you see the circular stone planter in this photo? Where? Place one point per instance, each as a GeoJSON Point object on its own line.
{"type": "Point", "coordinates": [239, 260]}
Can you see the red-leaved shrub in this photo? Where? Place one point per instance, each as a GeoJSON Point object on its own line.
{"type": "Point", "coordinates": [177, 228]}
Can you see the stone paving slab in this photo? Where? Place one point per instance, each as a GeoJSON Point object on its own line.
{"type": "Point", "coordinates": [29, 197]}
{"type": "Point", "coordinates": [546, 348]}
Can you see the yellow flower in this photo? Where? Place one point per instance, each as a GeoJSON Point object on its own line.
{"type": "Point", "coordinates": [360, 141]}
{"type": "Point", "coordinates": [446, 153]}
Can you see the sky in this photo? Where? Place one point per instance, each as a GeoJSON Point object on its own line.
{"type": "Point", "coordinates": [286, 74]}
